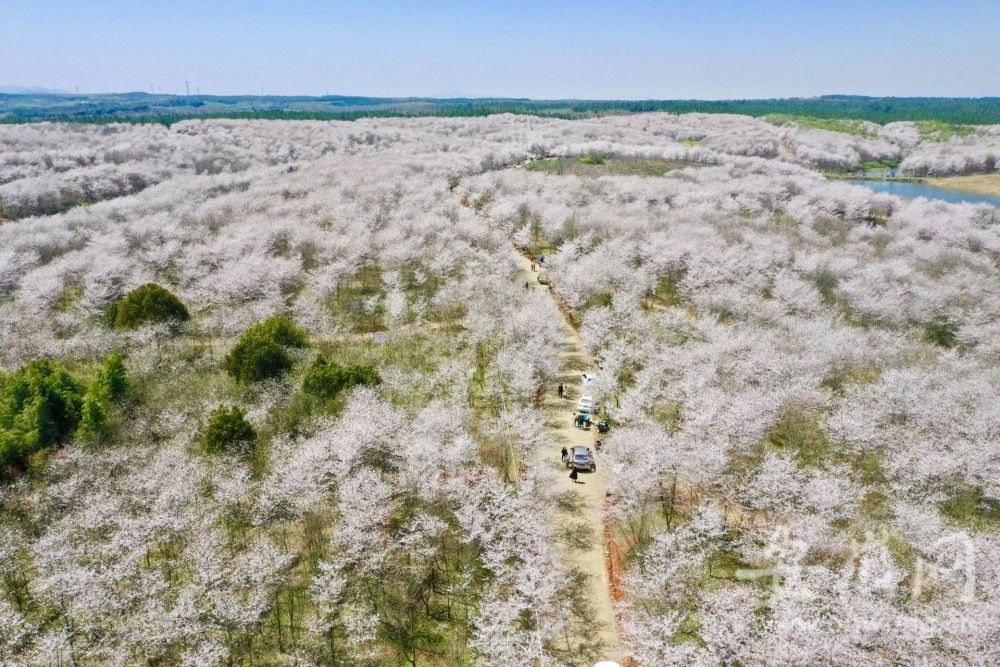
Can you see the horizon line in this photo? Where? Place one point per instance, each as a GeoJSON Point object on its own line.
{"type": "Point", "coordinates": [41, 91]}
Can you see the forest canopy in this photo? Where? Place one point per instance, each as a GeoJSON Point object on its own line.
{"type": "Point", "coordinates": [169, 109]}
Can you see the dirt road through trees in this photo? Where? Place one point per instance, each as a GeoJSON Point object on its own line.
{"type": "Point", "coordinates": [578, 517]}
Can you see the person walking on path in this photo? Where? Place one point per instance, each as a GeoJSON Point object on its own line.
{"type": "Point", "coordinates": [565, 455]}
{"type": "Point", "coordinates": [573, 475]}
{"type": "Point", "coordinates": [562, 390]}
{"type": "Point", "coordinates": [526, 286]}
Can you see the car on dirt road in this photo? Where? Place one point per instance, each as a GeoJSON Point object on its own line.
{"type": "Point", "coordinates": [581, 458]}
{"type": "Point", "coordinates": [587, 378]}
{"type": "Point", "coordinates": [587, 404]}
{"type": "Point", "coordinates": [544, 278]}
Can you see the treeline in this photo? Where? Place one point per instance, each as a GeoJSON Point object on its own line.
{"type": "Point", "coordinates": [963, 111]}
{"type": "Point", "coordinates": [168, 109]}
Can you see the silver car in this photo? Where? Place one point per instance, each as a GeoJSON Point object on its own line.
{"type": "Point", "coordinates": [581, 458]}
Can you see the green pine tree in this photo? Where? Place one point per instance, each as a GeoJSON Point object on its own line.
{"type": "Point", "coordinates": [93, 419]}
{"type": "Point", "coordinates": [40, 407]}
{"type": "Point", "coordinates": [111, 382]}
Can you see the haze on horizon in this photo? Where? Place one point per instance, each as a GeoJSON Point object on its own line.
{"type": "Point", "coordinates": [635, 49]}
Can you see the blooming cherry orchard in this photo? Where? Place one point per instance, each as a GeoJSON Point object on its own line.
{"type": "Point", "coordinates": [800, 378]}
{"type": "Point", "coordinates": [806, 362]}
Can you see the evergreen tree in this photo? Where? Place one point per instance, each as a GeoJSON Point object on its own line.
{"type": "Point", "coordinates": [111, 382]}
{"type": "Point", "coordinates": [260, 352]}
{"type": "Point", "coordinates": [149, 304]}
{"type": "Point", "coordinates": [228, 431]}
{"type": "Point", "coordinates": [93, 419]}
{"type": "Point", "coordinates": [40, 407]}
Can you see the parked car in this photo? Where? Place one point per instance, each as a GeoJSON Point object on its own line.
{"type": "Point", "coordinates": [587, 378]}
{"type": "Point", "coordinates": [587, 404]}
{"type": "Point", "coordinates": [581, 458]}
{"type": "Point", "coordinates": [543, 278]}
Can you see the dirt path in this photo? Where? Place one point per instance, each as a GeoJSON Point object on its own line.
{"type": "Point", "coordinates": [578, 516]}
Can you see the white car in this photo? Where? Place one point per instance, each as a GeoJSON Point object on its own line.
{"type": "Point", "coordinates": [587, 404]}
{"type": "Point", "coordinates": [587, 378]}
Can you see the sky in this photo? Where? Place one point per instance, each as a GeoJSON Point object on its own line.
{"type": "Point", "coordinates": [543, 49]}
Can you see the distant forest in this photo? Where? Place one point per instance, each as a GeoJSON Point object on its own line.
{"type": "Point", "coordinates": [168, 109]}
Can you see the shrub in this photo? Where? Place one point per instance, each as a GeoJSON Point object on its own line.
{"type": "Point", "coordinates": [941, 332]}
{"type": "Point", "coordinates": [228, 431]}
{"type": "Point", "coordinates": [293, 419]}
{"type": "Point", "coordinates": [254, 359]}
{"type": "Point", "coordinates": [325, 380]}
{"type": "Point", "coordinates": [149, 304]}
{"type": "Point", "coordinates": [260, 352]}
{"type": "Point", "coordinates": [40, 407]}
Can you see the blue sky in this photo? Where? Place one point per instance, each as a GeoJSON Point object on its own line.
{"type": "Point", "coordinates": [630, 49]}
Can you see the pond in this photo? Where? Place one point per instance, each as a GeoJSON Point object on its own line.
{"type": "Point", "coordinates": [914, 190]}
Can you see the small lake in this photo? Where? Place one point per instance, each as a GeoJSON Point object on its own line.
{"type": "Point", "coordinates": [914, 190]}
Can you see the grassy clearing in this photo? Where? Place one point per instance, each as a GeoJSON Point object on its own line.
{"type": "Point", "coordinates": [842, 376]}
{"type": "Point", "coordinates": [798, 432]}
{"type": "Point", "coordinates": [595, 165]}
{"type": "Point", "coordinates": [969, 506]}
{"type": "Point", "coordinates": [667, 292]}
{"type": "Point", "coordinates": [888, 163]}
{"type": "Point", "coordinates": [869, 170]}
{"type": "Point", "coordinates": [855, 127]}
{"type": "Point", "coordinates": [356, 303]}
{"type": "Point", "coordinates": [934, 130]}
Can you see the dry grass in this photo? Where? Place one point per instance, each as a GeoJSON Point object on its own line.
{"type": "Point", "coordinates": [980, 184]}
{"type": "Point", "coordinates": [608, 166]}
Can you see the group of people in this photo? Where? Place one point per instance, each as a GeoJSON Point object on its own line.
{"type": "Point", "coordinates": [573, 474]}
{"type": "Point", "coordinates": [582, 420]}
{"type": "Point", "coordinates": [535, 266]}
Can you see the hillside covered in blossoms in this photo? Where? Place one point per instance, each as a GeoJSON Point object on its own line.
{"type": "Point", "coordinates": [285, 393]}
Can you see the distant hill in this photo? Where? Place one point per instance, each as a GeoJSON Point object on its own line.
{"type": "Point", "coordinates": [140, 107]}
{"type": "Point", "coordinates": [31, 90]}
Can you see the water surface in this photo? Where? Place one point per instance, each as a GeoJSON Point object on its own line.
{"type": "Point", "coordinates": [914, 190]}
